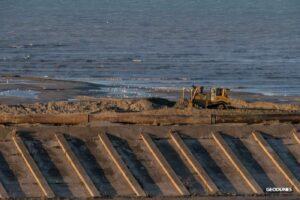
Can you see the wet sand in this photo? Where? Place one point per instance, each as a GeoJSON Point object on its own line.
{"type": "Point", "coordinates": [17, 90]}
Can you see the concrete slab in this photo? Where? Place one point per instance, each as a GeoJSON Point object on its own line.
{"type": "Point", "coordinates": [89, 185]}
{"type": "Point", "coordinates": [3, 193]}
{"type": "Point", "coordinates": [164, 165]}
{"type": "Point", "coordinates": [41, 181]}
{"type": "Point", "coordinates": [153, 178]}
{"type": "Point", "coordinates": [276, 161]}
{"type": "Point", "coordinates": [191, 160]}
{"type": "Point", "coordinates": [237, 164]}
{"type": "Point", "coordinates": [15, 177]}
{"type": "Point", "coordinates": [121, 165]}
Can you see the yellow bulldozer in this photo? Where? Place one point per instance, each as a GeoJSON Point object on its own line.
{"type": "Point", "coordinates": [213, 98]}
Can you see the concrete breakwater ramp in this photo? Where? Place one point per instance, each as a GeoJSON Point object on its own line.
{"type": "Point", "coordinates": [125, 161]}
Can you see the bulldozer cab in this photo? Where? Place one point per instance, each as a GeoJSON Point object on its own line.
{"type": "Point", "coordinates": [219, 92]}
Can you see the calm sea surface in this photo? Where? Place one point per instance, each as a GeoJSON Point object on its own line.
{"type": "Point", "coordinates": [134, 46]}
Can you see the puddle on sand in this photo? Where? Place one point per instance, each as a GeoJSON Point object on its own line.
{"type": "Point", "coordinates": [31, 94]}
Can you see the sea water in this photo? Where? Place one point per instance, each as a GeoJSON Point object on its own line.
{"type": "Point", "coordinates": [135, 46]}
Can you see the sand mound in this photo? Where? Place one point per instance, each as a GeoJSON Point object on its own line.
{"type": "Point", "coordinates": [86, 106]}
{"type": "Point", "coordinates": [237, 103]}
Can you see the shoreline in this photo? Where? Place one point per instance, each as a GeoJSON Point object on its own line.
{"type": "Point", "coordinates": [18, 89]}
{"type": "Point", "coordinates": [69, 97]}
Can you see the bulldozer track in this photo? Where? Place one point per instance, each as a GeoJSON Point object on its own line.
{"type": "Point", "coordinates": [148, 162]}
